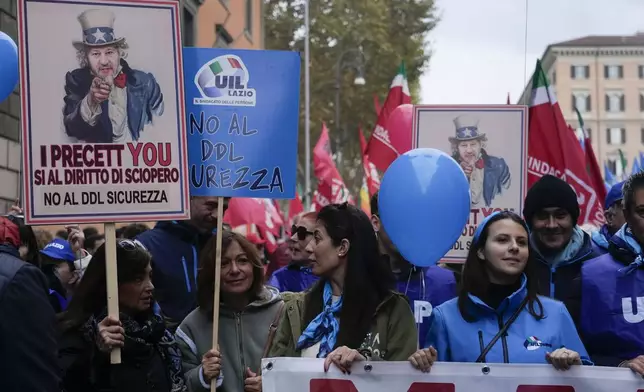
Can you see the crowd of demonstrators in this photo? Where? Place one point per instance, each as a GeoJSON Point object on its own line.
{"type": "Point", "coordinates": [498, 300]}
{"type": "Point", "coordinates": [539, 290]}
{"type": "Point", "coordinates": [246, 310]}
{"type": "Point", "coordinates": [176, 247]}
{"type": "Point", "coordinates": [296, 276]}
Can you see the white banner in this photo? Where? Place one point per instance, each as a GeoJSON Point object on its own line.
{"type": "Point", "coordinates": [307, 375]}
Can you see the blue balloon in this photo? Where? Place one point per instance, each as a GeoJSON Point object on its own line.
{"type": "Point", "coordinates": [424, 203]}
{"type": "Point", "coordinates": [8, 66]}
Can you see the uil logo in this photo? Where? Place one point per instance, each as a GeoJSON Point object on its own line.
{"type": "Point", "coordinates": [631, 315]}
{"type": "Point", "coordinates": [224, 81]}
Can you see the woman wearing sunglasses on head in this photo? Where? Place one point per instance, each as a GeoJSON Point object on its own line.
{"type": "Point", "coordinates": [498, 316]}
{"type": "Point", "coordinates": [297, 276]}
{"type": "Point", "coordinates": [150, 358]}
{"type": "Point", "coordinates": [352, 312]}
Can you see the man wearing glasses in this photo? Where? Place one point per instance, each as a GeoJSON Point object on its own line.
{"type": "Point", "coordinates": [297, 276]}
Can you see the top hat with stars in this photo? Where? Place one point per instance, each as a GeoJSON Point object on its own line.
{"type": "Point", "coordinates": [466, 129]}
{"type": "Point", "coordinates": [98, 29]}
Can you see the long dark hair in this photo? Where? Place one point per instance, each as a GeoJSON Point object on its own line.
{"type": "Point", "coordinates": [367, 281]}
{"type": "Point", "coordinates": [476, 281]}
{"type": "Point", "coordinates": [90, 297]}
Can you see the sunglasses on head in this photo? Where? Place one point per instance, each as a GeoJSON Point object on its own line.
{"type": "Point", "coordinates": [130, 245]}
{"type": "Point", "coordinates": [301, 232]}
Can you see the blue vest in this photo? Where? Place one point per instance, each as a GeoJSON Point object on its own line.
{"type": "Point", "coordinates": [612, 309]}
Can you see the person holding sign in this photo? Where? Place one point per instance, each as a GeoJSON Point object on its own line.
{"type": "Point", "coordinates": [246, 312]}
{"type": "Point", "coordinates": [150, 358]}
{"type": "Point", "coordinates": [352, 313]}
{"type": "Point", "coordinates": [498, 316]}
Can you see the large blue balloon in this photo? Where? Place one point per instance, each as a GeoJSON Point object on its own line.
{"type": "Point", "coordinates": [424, 203]}
{"type": "Point", "coordinates": [8, 66]}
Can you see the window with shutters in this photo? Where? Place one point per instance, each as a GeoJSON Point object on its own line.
{"type": "Point", "coordinates": [589, 133]}
{"type": "Point", "coordinates": [223, 38]}
{"type": "Point", "coordinates": [640, 71]}
{"type": "Point", "coordinates": [642, 135]}
{"type": "Point", "coordinates": [641, 101]}
{"type": "Point", "coordinates": [616, 136]}
{"type": "Point", "coordinates": [581, 101]}
{"type": "Point", "coordinates": [579, 71]}
{"type": "Point", "coordinates": [615, 165]}
{"type": "Point", "coordinates": [553, 78]}
{"type": "Point", "coordinates": [615, 101]}
{"type": "Point", "coordinates": [613, 71]}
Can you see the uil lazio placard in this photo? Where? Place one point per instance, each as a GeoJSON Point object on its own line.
{"type": "Point", "coordinates": [242, 119]}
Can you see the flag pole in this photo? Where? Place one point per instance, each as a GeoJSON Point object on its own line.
{"type": "Point", "coordinates": [307, 112]}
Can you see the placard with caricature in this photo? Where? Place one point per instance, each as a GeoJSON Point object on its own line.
{"type": "Point", "coordinates": [103, 111]}
{"type": "Point", "coordinates": [490, 144]}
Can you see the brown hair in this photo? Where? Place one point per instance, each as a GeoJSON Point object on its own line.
{"type": "Point", "coordinates": [206, 275]}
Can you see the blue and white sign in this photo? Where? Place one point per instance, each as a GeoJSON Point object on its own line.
{"type": "Point", "coordinates": [242, 109]}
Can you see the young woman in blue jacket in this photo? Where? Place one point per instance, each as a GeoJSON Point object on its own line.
{"type": "Point", "coordinates": [498, 316]}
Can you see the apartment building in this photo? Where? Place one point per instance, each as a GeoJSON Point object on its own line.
{"type": "Point", "coordinates": [205, 23]}
{"type": "Point", "coordinates": [603, 77]}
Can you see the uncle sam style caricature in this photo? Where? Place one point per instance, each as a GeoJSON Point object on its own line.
{"type": "Point", "coordinates": [106, 101]}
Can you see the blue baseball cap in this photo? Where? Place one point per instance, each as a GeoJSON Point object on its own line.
{"type": "Point", "coordinates": [614, 195]}
{"type": "Point", "coordinates": [59, 249]}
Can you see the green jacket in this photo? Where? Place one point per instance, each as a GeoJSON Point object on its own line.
{"type": "Point", "coordinates": [393, 335]}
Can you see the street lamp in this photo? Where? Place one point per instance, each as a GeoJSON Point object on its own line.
{"type": "Point", "coordinates": [350, 58]}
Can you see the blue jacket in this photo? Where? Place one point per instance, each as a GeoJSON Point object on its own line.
{"type": "Point", "coordinates": [612, 312]}
{"type": "Point", "coordinates": [144, 100]}
{"type": "Point", "coordinates": [600, 240]}
{"type": "Point", "coordinates": [293, 278]}
{"type": "Point", "coordinates": [556, 278]}
{"type": "Point", "coordinates": [527, 340]}
{"type": "Point", "coordinates": [427, 288]}
{"type": "Point", "coordinates": [175, 248]}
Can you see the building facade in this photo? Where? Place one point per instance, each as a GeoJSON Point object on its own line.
{"type": "Point", "coordinates": [603, 77]}
{"type": "Point", "coordinates": [205, 23]}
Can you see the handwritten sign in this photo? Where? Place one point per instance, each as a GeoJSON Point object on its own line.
{"type": "Point", "coordinates": [242, 118]}
{"type": "Point", "coordinates": [104, 136]}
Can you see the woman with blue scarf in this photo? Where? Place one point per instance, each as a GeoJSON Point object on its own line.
{"type": "Point", "coordinates": [612, 287]}
{"type": "Point", "coordinates": [498, 316]}
{"type": "Point", "coordinates": [352, 312]}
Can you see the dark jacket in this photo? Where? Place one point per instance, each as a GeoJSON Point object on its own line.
{"type": "Point", "coordinates": [144, 98]}
{"type": "Point", "coordinates": [557, 281]}
{"type": "Point", "coordinates": [27, 327]}
{"type": "Point", "coordinates": [611, 315]}
{"type": "Point", "coordinates": [86, 369]}
{"type": "Point", "coordinates": [175, 248]}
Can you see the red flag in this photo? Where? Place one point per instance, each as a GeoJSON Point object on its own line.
{"type": "Point", "coordinates": [295, 207]}
{"type": "Point", "coordinates": [384, 147]}
{"type": "Point", "coordinates": [261, 212]}
{"type": "Point", "coordinates": [331, 188]}
{"type": "Point", "coordinates": [553, 149]}
{"type": "Point", "coordinates": [592, 166]}
{"type": "Point", "coordinates": [371, 173]}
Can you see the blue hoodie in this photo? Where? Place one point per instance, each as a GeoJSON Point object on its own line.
{"type": "Point", "coordinates": [426, 288]}
{"type": "Point", "coordinates": [175, 248]}
{"type": "Point", "coordinates": [612, 306]}
{"type": "Point", "coordinates": [527, 340]}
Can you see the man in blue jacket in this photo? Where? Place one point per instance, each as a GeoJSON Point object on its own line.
{"type": "Point", "coordinates": [612, 311]}
{"type": "Point", "coordinates": [175, 248]}
{"type": "Point", "coordinates": [551, 211]}
{"type": "Point", "coordinates": [28, 347]}
{"type": "Point", "coordinates": [426, 288]}
{"type": "Point", "coordinates": [614, 215]}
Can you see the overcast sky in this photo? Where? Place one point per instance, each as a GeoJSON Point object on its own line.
{"type": "Point", "coordinates": [479, 51]}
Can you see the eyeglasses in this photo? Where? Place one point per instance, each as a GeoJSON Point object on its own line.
{"type": "Point", "coordinates": [301, 232]}
{"type": "Point", "coordinates": [130, 245]}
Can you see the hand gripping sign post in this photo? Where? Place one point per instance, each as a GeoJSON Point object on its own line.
{"type": "Point", "coordinates": [103, 117]}
{"type": "Point", "coordinates": [242, 108]}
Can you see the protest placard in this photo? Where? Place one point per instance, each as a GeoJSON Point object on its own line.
{"type": "Point", "coordinates": [102, 111]}
{"type": "Point", "coordinates": [490, 144]}
{"type": "Point", "coordinates": [242, 108]}
{"type": "Point", "coordinates": [307, 375]}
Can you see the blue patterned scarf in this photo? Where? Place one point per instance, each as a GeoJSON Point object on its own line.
{"type": "Point", "coordinates": [324, 328]}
